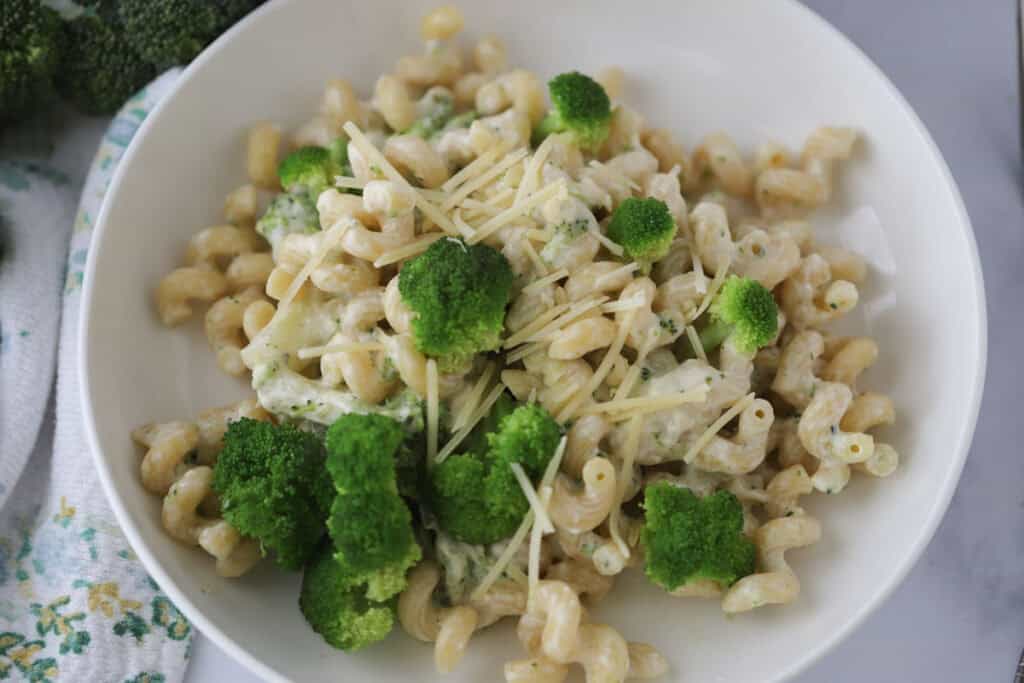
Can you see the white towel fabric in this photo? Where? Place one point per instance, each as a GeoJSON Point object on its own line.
{"type": "Point", "coordinates": [75, 603]}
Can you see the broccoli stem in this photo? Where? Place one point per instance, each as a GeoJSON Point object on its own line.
{"type": "Point", "coordinates": [713, 334]}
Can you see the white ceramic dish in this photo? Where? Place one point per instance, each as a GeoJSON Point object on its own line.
{"type": "Point", "coordinates": [759, 70]}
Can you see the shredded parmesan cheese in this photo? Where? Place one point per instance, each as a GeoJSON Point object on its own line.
{"type": "Point", "coordinates": [345, 347]}
{"type": "Point", "coordinates": [623, 305]}
{"type": "Point", "coordinates": [538, 264]}
{"type": "Point", "coordinates": [473, 168]}
{"type": "Point", "coordinates": [541, 320]}
{"type": "Point", "coordinates": [610, 275]}
{"type": "Point", "coordinates": [518, 209]}
{"type": "Point", "coordinates": [716, 427]}
{"type": "Point", "coordinates": [473, 400]}
{"type": "Point", "coordinates": [602, 370]}
{"type": "Point", "coordinates": [628, 456]}
{"type": "Point", "coordinates": [551, 278]}
{"type": "Point", "coordinates": [483, 180]}
{"type": "Point", "coordinates": [374, 156]}
{"type": "Point", "coordinates": [648, 404]}
{"type": "Point", "coordinates": [698, 267]}
{"type": "Point", "coordinates": [417, 246]}
{"type": "Point", "coordinates": [433, 410]}
{"type": "Point", "coordinates": [531, 175]}
{"type": "Point", "coordinates": [460, 223]}
{"type": "Point", "coordinates": [716, 284]}
{"type": "Point", "coordinates": [503, 561]}
{"type": "Point", "coordinates": [612, 247]}
{"type": "Point", "coordinates": [539, 512]}
{"type": "Point", "coordinates": [523, 351]}
{"type": "Point", "coordinates": [547, 332]}
{"type": "Point", "coordinates": [330, 241]}
{"type": "Point", "coordinates": [540, 235]}
{"type": "Point", "coordinates": [480, 413]}
{"type": "Point", "coordinates": [698, 347]}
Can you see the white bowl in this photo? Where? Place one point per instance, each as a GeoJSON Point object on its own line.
{"type": "Point", "coordinates": [759, 70]}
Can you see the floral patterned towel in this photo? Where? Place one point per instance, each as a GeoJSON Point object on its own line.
{"type": "Point", "coordinates": [75, 603]}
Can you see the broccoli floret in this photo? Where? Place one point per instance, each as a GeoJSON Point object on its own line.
{"type": "Point", "coordinates": [30, 43]}
{"type": "Point", "coordinates": [311, 170]}
{"type": "Point", "coordinates": [288, 213]}
{"type": "Point", "coordinates": [645, 229]}
{"type": "Point", "coordinates": [370, 524]}
{"type": "Point", "coordinates": [99, 68]}
{"type": "Point", "coordinates": [745, 311]}
{"type": "Point", "coordinates": [273, 487]}
{"type": "Point", "coordinates": [687, 538]}
{"type": "Point", "coordinates": [476, 443]}
{"type": "Point", "coordinates": [580, 107]}
{"type": "Point", "coordinates": [173, 32]}
{"type": "Point", "coordinates": [339, 609]}
{"type": "Point", "coordinates": [434, 109]}
{"type": "Point", "coordinates": [477, 499]}
{"type": "Point", "coordinates": [458, 294]}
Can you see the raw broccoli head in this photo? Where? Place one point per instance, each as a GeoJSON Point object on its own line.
{"type": "Point", "coordinates": [580, 107]}
{"type": "Point", "coordinates": [687, 538]}
{"type": "Point", "coordinates": [30, 43]}
{"type": "Point", "coordinates": [287, 214]}
{"type": "Point", "coordinates": [477, 498]}
{"type": "Point", "coordinates": [173, 32]}
{"type": "Point", "coordinates": [273, 487]}
{"type": "Point", "coordinates": [311, 170]}
{"type": "Point", "coordinates": [644, 228]}
{"type": "Point", "coordinates": [458, 294]}
{"type": "Point", "coordinates": [99, 67]}
{"type": "Point", "coordinates": [338, 609]}
{"type": "Point", "coordinates": [370, 524]}
{"type": "Point", "coordinates": [746, 312]}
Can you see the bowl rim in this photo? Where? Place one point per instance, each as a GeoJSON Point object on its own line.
{"type": "Point", "coordinates": [939, 506]}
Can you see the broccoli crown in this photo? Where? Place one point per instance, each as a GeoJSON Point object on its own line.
{"type": "Point", "coordinates": [288, 213]}
{"type": "Point", "coordinates": [458, 294]}
{"type": "Point", "coordinates": [273, 487]}
{"type": "Point", "coordinates": [338, 609]}
{"type": "Point", "coordinates": [687, 538]}
{"type": "Point", "coordinates": [175, 31]}
{"type": "Point", "coordinates": [644, 228]}
{"type": "Point", "coordinates": [99, 68]}
{"type": "Point", "coordinates": [580, 107]}
{"type": "Point", "coordinates": [476, 443]}
{"type": "Point", "coordinates": [310, 170]}
{"type": "Point", "coordinates": [370, 524]}
{"type": "Point", "coordinates": [745, 311]}
{"type": "Point", "coordinates": [435, 109]}
{"type": "Point", "coordinates": [30, 43]}
{"type": "Point", "coordinates": [477, 498]}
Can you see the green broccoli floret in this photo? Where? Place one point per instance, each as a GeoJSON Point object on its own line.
{"type": "Point", "coordinates": [173, 32]}
{"type": "Point", "coordinates": [30, 43]}
{"type": "Point", "coordinates": [370, 524]}
{"type": "Point", "coordinates": [477, 499]}
{"type": "Point", "coordinates": [686, 538]}
{"type": "Point", "coordinates": [273, 487]}
{"type": "Point", "coordinates": [745, 311]}
{"type": "Point", "coordinates": [458, 294]}
{"type": "Point", "coordinates": [99, 67]}
{"type": "Point", "coordinates": [645, 229]}
{"type": "Point", "coordinates": [580, 107]}
{"type": "Point", "coordinates": [311, 170]}
{"type": "Point", "coordinates": [434, 109]}
{"type": "Point", "coordinates": [288, 213]}
{"type": "Point", "coordinates": [476, 443]}
{"type": "Point", "coordinates": [339, 609]}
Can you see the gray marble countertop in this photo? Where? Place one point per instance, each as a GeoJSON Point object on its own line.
{"type": "Point", "coordinates": [959, 616]}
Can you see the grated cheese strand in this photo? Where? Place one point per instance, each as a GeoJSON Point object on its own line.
{"type": "Point", "coordinates": [477, 206]}
{"type": "Point", "coordinates": [657, 402]}
{"type": "Point", "coordinates": [417, 246]}
{"type": "Point", "coordinates": [536, 538]}
{"type": "Point", "coordinates": [628, 455]}
{"type": "Point", "coordinates": [483, 180]}
{"type": "Point", "coordinates": [461, 225]}
{"type": "Point", "coordinates": [716, 426]}
{"type": "Point", "coordinates": [538, 264]}
{"type": "Point", "coordinates": [472, 168]}
{"type": "Point", "coordinates": [331, 240]}
{"type": "Point", "coordinates": [698, 347]}
{"type": "Point", "coordinates": [374, 156]}
{"type": "Point", "coordinates": [713, 288]}
{"type": "Point", "coordinates": [494, 573]}
{"type": "Point", "coordinates": [698, 267]}
{"type": "Point", "coordinates": [480, 413]}
{"type": "Point", "coordinates": [523, 351]}
{"type": "Point", "coordinates": [345, 347]}
{"type": "Point", "coordinates": [538, 235]}
{"type": "Point", "coordinates": [654, 407]}
{"type": "Point", "coordinates": [433, 410]}
{"type": "Point", "coordinates": [539, 513]}
{"type": "Point", "coordinates": [602, 370]}
{"type": "Point", "coordinates": [627, 269]}
{"type": "Point", "coordinates": [539, 322]}
{"type": "Point", "coordinates": [579, 308]}
{"type": "Point", "coordinates": [548, 279]}
{"type": "Point", "coordinates": [531, 174]}
{"type": "Point", "coordinates": [518, 209]}
{"type": "Point", "coordinates": [612, 247]}
{"type": "Point", "coordinates": [500, 198]}
{"type": "Point", "coordinates": [473, 401]}
{"type": "Point", "coordinates": [621, 305]}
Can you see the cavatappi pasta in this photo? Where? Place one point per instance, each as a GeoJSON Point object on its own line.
{"type": "Point", "coordinates": [444, 147]}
